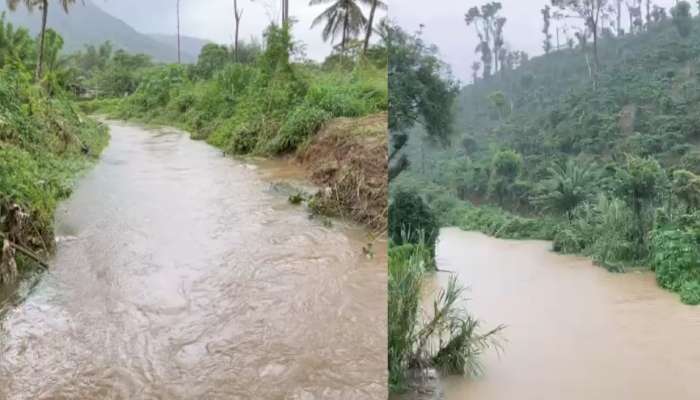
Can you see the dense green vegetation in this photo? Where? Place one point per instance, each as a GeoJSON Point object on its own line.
{"type": "Point", "coordinates": [265, 104]}
{"type": "Point", "coordinates": [448, 338]}
{"type": "Point", "coordinates": [44, 141]}
{"type": "Point", "coordinates": [604, 160]}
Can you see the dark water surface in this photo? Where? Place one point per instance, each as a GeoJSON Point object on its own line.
{"type": "Point", "coordinates": [181, 274]}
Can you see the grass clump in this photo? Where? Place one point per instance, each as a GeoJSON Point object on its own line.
{"type": "Point", "coordinates": [448, 338]}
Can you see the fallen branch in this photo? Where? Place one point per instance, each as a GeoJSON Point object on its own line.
{"type": "Point", "coordinates": [25, 251]}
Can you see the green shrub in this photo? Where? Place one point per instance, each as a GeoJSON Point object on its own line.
{"type": "Point", "coordinates": [676, 257]}
{"type": "Point", "coordinates": [412, 221]}
{"type": "Point", "coordinates": [302, 122]}
{"type": "Point", "coordinates": [690, 292]}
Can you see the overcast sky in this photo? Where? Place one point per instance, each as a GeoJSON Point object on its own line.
{"type": "Point", "coordinates": [213, 19]}
{"type": "Point", "coordinates": [445, 27]}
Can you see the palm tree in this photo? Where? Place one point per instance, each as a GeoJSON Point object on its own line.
{"type": "Point", "coordinates": [567, 188]}
{"type": "Point", "coordinates": [342, 17]}
{"type": "Point", "coordinates": [370, 24]}
{"type": "Point", "coordinates": [43, 5]}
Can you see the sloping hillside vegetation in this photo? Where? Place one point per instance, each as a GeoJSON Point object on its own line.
{"type": "Point", "coordinates": [44, 145]}
{"type": "Point", "coordinates": [607, 168]}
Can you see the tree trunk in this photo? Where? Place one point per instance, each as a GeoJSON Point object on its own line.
{"type": "Point", "coordinates": [619, 17]}
{"type": "Point", "coordinates": [285, 11]}
{"type": "Point", "coordinates": [346, 21]}
{"type": "Point", "coordinates": [237, 14]}
{"type": "Point", "coordinates": [40, 56]}
{"type": "Point", "coordinates": [179, 54]}
{"type": "Point", "coordinates": [370, 24]}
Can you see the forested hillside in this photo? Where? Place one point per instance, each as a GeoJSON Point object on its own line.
{"type": "Point", "coordinates": [603, 159]}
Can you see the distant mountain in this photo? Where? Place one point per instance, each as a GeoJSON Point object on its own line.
{"type": "Point", "coordinates": [191, 46]}
{"type": "Point", "coordinates": [88, 24]}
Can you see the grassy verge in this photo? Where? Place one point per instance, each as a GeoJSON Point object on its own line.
{"type": "Point", "coordinates": [44, 145]}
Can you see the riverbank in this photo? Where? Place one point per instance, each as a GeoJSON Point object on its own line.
{"type": "Point", "coordinates": [45, 144]}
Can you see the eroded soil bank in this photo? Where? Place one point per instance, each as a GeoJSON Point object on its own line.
{"type": "Point", "coordinates": [180, 274]}
{"type": "Point", "coordinates": [573, 330]}
{"type": "Point", "coordinates": [349, 157]}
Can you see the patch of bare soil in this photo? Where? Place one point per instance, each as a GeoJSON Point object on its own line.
{"type": "Point", "coordinates": [348, 158]}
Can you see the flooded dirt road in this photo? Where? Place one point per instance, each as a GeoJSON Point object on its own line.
{"type": "Point", "coordinates": [573, 330]}
{"type": "Point", "coordinates": [183, 274]}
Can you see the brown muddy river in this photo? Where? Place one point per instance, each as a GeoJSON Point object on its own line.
{"type": "Point", "coordinates": [183, 274]}
{"type": "Point", "coordinates": [574, 331]}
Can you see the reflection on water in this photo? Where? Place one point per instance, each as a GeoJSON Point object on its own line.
{"type": "Point", "coordinates": [574, 331]}
{"type": "Point", "coordinates": [183, 276]}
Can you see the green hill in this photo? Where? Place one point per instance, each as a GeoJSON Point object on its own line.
{"type": "Point", "coordinates": [610, 170]}
{"type": "Point", "coordinates": [88, 24]}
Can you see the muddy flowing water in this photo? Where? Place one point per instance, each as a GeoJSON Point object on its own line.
{"type": "Point", "coordinates": [182, 274]}
{"type": "Point", "coordinates": [574, 331]}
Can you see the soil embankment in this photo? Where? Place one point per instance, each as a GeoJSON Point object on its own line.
{"type": "Point", "coordinates": [348, 159]}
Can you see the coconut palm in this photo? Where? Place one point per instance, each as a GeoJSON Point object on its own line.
{"type": "Point", "coordinates": [567, 188]}
{"type": "Point", "coordinates": [342, 17]}
{"type": "Point", "coordinates": [370, 24]}
{"type": "Point", "coordinates": [43, 5]}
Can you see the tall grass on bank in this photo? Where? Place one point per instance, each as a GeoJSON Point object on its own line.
{"type": "Point", "coordinates": [447, 338]}
{"type": "Point", "coordinates": [270, 106]}
{"type": "Point", "coordinates": [44, 145]}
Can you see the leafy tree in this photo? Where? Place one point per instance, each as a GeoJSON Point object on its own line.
{"type": "Point", "coordinates": [634, 10]}
{"type": "Point", "coordinates": [420, 92]}
{"type": "Point", "coordinates": [639, 183]}
{"type": "Point", "coordinates": [592, 12]}
{"type": "Point", "coordinates": [476, 66]}
{"type": "Point", "coordinates": [658, 14]}
{"type": "Point", "coordinates": [43, 5]}
{"type": "Point", "coordinates": [212, 58]}
{"type": "Point", "coordinates": [122, 74]}
{"type": "Point", "coordinates": [567, 188]}
{"type": "Point", "coordinates": [342, 17]}
{"type": "Point", "coordinates": [500, 104]}
{"type": "Point", "coordinates": [412, 221]}
{"type": "Point", "coordinates": [682, 19]}
{"type": "Point", "coordinates": [547, 17]}
{"type": "Point", "coordinates": [505, 169]}
{"type": "Point", "coordinates": [489, 28]}
{"type": "Point", "coordinates": [686, 186]}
